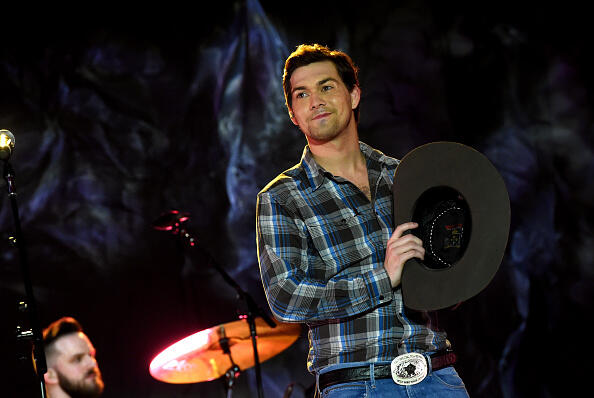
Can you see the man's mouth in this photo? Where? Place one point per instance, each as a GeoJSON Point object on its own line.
{"type": "Point", "coordinates": [92, 374]}
{"type": "Point", "coordinates": [321, 115]}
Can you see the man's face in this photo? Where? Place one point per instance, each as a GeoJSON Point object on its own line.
{"type": "Point", "coordinates": [321, 103]}
{"type": "Point", "coordinates": [76, 367]}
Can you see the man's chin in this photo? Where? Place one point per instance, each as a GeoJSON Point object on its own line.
{"type": "Point", "coordinates": [321, 137]}
{"type": "Point", "coordinates": [91, 387]}
{"type": "Point", "coordinates": [95, 386]}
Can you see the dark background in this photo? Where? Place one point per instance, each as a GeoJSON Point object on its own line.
{"type": "Point", "coordinates": [122, 114]}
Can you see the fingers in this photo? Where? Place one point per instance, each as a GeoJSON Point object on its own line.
{"type": "Point", "coordinates": [398, 245]}
{"type": "Point", "coordinates": [404, 257]}
{"type": "Point", "coordinates": [404, 252]}
{"type": "Point", "coordinates": [398, 240]}
{"type": "Point", "coordinates": [394, 243]}
{"type": "Point", "coordinates": [415, 246]}
{"type": "Point", "coordinates": [402, 228]}
{"type": "Point", "coordinates": [400, 249]}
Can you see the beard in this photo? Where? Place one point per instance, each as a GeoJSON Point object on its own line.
{"type": "Point", "coordinates": [85, 388]}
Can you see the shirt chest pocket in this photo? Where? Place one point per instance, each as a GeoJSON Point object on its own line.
{"type": "Point", "coordinates": [339, 241]}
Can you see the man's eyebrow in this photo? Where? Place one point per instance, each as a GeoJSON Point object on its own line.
{"type": "Point", "coordinates": [326, 80]}
{"type": "Point", "coordinates": [321, 82]}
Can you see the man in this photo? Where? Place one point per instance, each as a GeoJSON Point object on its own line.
{"type": "Point", "coordinates": [329, 254]}
{"type": "Point", "coordinates": [72, 369]}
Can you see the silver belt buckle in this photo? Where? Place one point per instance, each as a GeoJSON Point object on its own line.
{"type": "Point", "coordinates": [409, 369]}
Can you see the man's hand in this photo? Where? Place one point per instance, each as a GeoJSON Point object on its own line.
{"type": "Point", "coordinates": [400, 249]}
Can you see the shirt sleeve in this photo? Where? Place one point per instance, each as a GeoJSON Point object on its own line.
{"type": "Point", "coordinates": [284, 260]}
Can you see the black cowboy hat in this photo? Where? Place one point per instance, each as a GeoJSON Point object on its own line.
{"type": "Point", "coordinates": [462, 207]}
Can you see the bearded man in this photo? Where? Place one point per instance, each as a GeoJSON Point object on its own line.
{"type": "Point", "coordinates": [72, 370]}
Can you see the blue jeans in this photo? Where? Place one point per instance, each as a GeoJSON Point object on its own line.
{"type": "Point", "coordinates": [443, 383]}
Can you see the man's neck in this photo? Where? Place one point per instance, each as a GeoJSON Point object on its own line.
{"type": "Point", "coordinates": [341, 156]}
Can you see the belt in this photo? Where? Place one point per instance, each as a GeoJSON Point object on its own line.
{"type": "Point", "coordinates": [439, 360]}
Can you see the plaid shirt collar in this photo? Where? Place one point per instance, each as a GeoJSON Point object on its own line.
{"type": "Point", "coordinates": [316, 173]}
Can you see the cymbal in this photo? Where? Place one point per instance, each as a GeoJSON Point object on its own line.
{"type": "Point", "coordinates": [199, 357]}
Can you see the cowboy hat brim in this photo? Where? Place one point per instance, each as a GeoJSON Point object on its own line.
{"type": "Point", "coordinates": [470, 173]}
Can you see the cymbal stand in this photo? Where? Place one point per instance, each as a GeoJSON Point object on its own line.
{"type": "Point", "coordinates": [234, 371]}
{"type": "Point", "coordinates": [32, 335]}
{"type": "Point", "coordinates": [230, 376]}
{"type": "Point", "coordinates": [172, 221]}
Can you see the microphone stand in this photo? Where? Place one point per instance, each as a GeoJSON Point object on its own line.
{"type": "Point", "coordinates": [172, 222]}
{"type": "Point", "coordinates": [33, 334]}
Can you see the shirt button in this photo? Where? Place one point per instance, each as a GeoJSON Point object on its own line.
{"type": "Point", "coordinates": [381, 297]}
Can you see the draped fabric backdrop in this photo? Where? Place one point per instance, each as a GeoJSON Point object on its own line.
{"type": "Point", "coordinates": [121, 120]}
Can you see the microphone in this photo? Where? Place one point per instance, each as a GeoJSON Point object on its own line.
{"type": "Point", "coordinates": [6, 144]}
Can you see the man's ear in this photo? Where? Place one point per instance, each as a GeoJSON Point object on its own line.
{"type": "Point", "coordinates": [292, 116]}
{"type": "Point", "coordinates": [51, 376]}
{"type": "Point", "coordinates": [355, 97]}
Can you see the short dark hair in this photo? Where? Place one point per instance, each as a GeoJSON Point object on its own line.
{"type": "Point", "coordinates": [306, 54]}
{"type": "Point", "coordinates": [61, 327]}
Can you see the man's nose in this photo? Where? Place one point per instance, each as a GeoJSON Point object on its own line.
{"type": "Point", "coordinates": [316, 101]}
{"type": "Point", "coordinates": [91, 362]}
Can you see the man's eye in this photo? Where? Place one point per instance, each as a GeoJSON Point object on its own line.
{"type": "Point", "coordinates": [326, 88]}
{"type": "Point", "coordinates": [300, 95]}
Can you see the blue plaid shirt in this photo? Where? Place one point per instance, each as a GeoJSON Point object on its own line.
{"type": "Point", "coordinates": [321, 247]}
